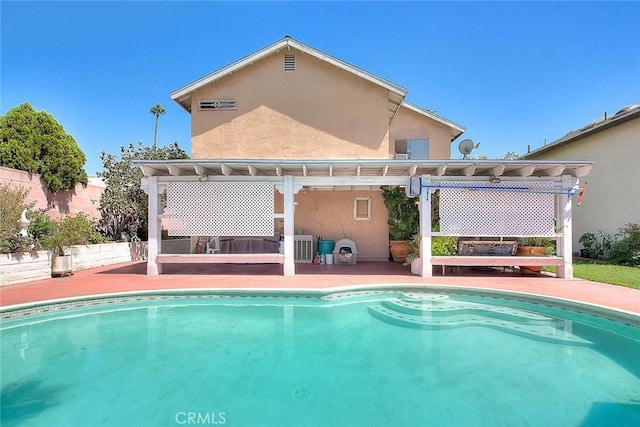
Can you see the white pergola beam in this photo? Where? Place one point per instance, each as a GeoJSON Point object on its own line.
{"type": "Point", "coordinates": [498, 170]}
{"type": "Point", "coordinates": [526, 171]}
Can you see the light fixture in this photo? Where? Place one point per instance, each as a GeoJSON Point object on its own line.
{"type": "Point", "coordinates": [494, 180]}
{"type": "Point", "coordinates": [203, 178]}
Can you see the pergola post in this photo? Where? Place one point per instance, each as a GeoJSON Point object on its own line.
{"type": "Point", "coordinates": [426, 267]}
{"type": "Point", "coordinates": [564, 219]}
{"type": "Point", "coordinates": [155, 231]}
{"type": "Point", "coordinates": [289, 267]}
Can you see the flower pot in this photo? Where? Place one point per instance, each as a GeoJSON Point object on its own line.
{"type": "Point", "coordinates": [399, 249]}
{"type": "Point", "coordinates": [531, 251]}
{"type": "Point", "coordinates": [61, 265]}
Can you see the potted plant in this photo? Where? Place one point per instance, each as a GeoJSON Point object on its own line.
{"type": "Point", "coordinates": [534, 246]}
{"type": "Point", "coordinates": [67, 231]}
{"type": "Point", "coordinates": [440, 246]}
{"type": "Point", "coordinates": [404, 218]}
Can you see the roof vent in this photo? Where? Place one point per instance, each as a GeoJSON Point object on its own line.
{"type": "Point", "coordinates": [289, 62]}
{"type": "Point", "coordinates": [217, 104]}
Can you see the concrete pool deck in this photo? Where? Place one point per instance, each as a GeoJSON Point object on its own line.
{"type": "Point", "coordinates": [131, 277]}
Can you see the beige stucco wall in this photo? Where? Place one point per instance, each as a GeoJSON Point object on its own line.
{"type": "Point", "coordinates": [327, 213]}
{"type": "Point", "coordinates": [69, 202]}
{"type": "Point", "coordinates": [410, 125]}
{"type": "Point", "coordinates": [317, 111]}
{"type": "Point", "coordinates": [612, 198]}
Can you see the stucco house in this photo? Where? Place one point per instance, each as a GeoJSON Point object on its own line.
{"type": "Point", "coordinates": [612, 198]}
{"type": "Point", "coordinates": [290, 142]}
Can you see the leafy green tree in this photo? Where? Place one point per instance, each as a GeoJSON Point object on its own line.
{"type": "Point", "coordinates": [35, 142]}
{"type": "Point", "coordinates": [157, 110]}
{"type": "Point", "coordinates": [123, 204]}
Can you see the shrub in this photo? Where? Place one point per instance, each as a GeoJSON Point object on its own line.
{"type": "Point", "coordinates": [40, 227]}
{"type": "Point", "coordinates": [621, 248]}
{"type": "Point", "coordinates": [71, 230]}
{"type": "Point", "coordinates": [12, 203]}
{"type": "Point", "coordinates": [626, 248]}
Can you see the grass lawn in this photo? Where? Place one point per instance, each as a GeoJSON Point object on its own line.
{"type": "Point", "coordinates": [607, 273]}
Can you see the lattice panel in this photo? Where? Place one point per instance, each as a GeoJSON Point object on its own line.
{"type": "Point", "coordinates": [465, 212]}
{"type": "Point", "coordinates": [219, 209]}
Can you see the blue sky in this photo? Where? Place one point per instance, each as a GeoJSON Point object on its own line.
{"type": "Point", "coordinates": [512, 73]}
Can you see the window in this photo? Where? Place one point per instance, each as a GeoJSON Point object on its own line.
{"type": "Point", "coordinates": [413, 148]}
{"type": "Point", "coordinates": [362, 208]}
{"type": "Point", "coordinates": [217, 104]}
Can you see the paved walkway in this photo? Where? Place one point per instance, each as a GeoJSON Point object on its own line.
{"type": "Point", "coordinates": [131, 277]}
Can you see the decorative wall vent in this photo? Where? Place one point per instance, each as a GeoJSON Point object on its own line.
{"type": "Point", "coordinates": [289, 62]}
{"type": "Point", "coordinates": [217, 104]}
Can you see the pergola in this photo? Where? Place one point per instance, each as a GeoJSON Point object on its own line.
{"type": "Point", "coordinates": [478, 198]}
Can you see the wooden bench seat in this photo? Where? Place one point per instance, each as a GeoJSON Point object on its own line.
{"type": "Point", "coordinates": [497, 261]}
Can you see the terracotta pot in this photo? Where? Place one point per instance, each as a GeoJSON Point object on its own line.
{"type": "Point", "coordinates": [531, 251]}
{"type": "Point", "coordinates": [400, 249]}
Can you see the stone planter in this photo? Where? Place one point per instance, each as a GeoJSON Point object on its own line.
{"type": "Point", "coordinates": [61, 265]}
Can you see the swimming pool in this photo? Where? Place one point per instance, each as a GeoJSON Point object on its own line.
{"type": "Point", "coordinates": [387, 358]}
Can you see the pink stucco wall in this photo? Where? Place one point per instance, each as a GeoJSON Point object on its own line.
{"type": "Point", "coordinates": [70, 202]}
{"type": "Point", "coordinates": [329, 214]}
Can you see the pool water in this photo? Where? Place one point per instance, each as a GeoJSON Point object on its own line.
{"type": "Point", "coordinates": [360, 359]}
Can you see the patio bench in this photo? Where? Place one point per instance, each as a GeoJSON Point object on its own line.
{"type": "Point", "coordinates": [491, 253]}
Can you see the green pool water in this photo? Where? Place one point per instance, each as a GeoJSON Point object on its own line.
{"type": "Point", "coordinates": [360, 359]}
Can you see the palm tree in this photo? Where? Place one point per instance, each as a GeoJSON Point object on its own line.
{"type": "Point", "coordinates": [157, 111]}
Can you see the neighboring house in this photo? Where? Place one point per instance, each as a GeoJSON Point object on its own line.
{"type": "Point", "coordinates": [290, 141]}
{"type": "Point", "coordinates": [612, 198]}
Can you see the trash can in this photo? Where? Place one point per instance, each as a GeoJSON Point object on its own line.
{"type": "Point", "coordinates": [325, 247]}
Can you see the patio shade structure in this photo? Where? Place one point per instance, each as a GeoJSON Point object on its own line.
{"type": "Point", "coordinates": [491, 192]}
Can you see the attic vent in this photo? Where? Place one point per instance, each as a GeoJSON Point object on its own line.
{"type": "Point", "coordinates": [217, 105]}
{"type": "Point", "coordinates": [289, 62]}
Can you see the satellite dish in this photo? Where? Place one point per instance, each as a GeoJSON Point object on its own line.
{"type": "Point", "coordinates": [466, 146]}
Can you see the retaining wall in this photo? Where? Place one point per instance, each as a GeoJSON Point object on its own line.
{"type": "Point", "coordinates": [30, 266]}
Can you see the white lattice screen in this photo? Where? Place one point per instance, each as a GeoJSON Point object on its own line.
{"type": "Point", "coordinates": [465, 212]}
{"type": "Point", "coordinates": [219, 209]}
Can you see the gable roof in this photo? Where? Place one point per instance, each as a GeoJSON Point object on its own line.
{"type": "Point", "coordinates": [182, 95]}
{"type": "Point", "coordinates": [397, 93]}
{"type": "Point", "coordinates": [625, 114]}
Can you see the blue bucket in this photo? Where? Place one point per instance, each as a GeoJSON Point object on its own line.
{"type": "Point", "coordinates": [325, 246]}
